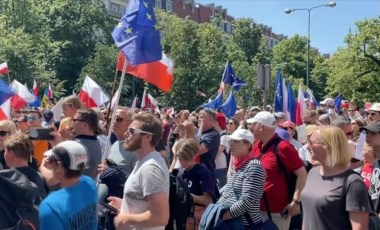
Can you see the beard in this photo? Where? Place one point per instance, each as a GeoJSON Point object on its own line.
{"type": "Point", "coordinates": [132, 145]}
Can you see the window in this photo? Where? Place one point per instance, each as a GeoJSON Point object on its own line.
{"type": "Point", "coordinates": [169, 6]}
{"type": "Point", "coordinates": [158, 4]}
{"type": "Point", "coordinates": [114, 8]}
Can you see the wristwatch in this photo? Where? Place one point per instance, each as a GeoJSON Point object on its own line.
{"type": "Point", "coordinates": [298, 202]}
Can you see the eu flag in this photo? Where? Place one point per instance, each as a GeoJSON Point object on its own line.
{"type": "Point", "coordinates": [292, 104]}
{"type": "Point", "coordinates": [5, 92]}
{"type": "Point", "coordinates": [230, 78]}
{"type": "Point", "coordinates": [136, 34]}
{"type": "Point", "coordinates": [216, 103]}
{"type": "Point", "coordinates": [338, 104]}
{"type": "Point", "coordinates": [278, 97]}
{"type": "Point", "coordinates": [229, 107]}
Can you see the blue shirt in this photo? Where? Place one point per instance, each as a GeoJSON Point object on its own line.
{"type": "Point", "coordinates": [70, 208]}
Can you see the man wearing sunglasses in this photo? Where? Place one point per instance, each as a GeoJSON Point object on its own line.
{"type": "Point", "coordinates": [34, 119]}
{"type": "Point", "coordinates": [373, 113]}
{"type": "Point", "coordinates": [145, 203]}
{"type": "Point", "coordinates": [73, 206]}
{"type": "Point", "coordinates": [373, 139]}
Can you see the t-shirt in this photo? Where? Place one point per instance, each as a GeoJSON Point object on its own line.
{"type": "Point", "coordinates": [149, 176]}
{"type": "Point", "coordinates": [211, 139]}
{"type": "Point", "coordinates": [276, 188]}
{"type": "Point", "coordinates": [94, 149]}
{"type": "Point", "coordinates": [323, 203]}
{"type": "Point", "coordinates": [200, 180]}
{"type": "Point", "coordinates": [71, 208]}
{"type": "Point", "coordinates": [374, 188]}
{"type": "Point", "coordinates": [366, 174]}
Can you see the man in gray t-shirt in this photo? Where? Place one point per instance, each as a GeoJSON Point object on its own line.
{"type": "Point", "coordinates": [145, 204]}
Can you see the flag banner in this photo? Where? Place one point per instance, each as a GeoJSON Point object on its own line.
{"type": "Point", "coordinates": [136, 34]}
{"type": "Point", "coordinates": [292, 104]}
{"type": "Point", "coordinates": [214, 104]}
{"type": "Point", "coordinates": [158, 73]}
{"type": "Point", "coordinates": [338, 104]}
{"type": "Point", "coordinates": [22, 97]}
{"type": "Point", "coordinates": [4, 68]}
{"type": "Point", "coordinates": [313, 103]}
{"type": "Point", "coordinates": [91, 94]}
{"type": "Point", "coordinates": [229, 107]}
{"type": "Point", "coordinates": [279, 95]}
{"type": "Point", "coordinates": [57, 110]}
{"type": "Point", "coordinates": [134, 103]}
{"type": "Point", "coordinates": [36, 90]}
{"type": "Point", "coordinates": [301, 106]}
{"type": "Point", "coordinates": [5, 110]}
{"type": "Point", "coordinates": [230, 78]}
{"type": "Point", "coordinates": [5, 92]}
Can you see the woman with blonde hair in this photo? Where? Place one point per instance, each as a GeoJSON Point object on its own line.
{"type": "Point", "coordinates": [7, 128]}
{"type": "Point", "coordinates": [334, 196]}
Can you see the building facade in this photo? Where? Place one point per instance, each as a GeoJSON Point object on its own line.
{"type": "Point", "coordinates": [195, 11]}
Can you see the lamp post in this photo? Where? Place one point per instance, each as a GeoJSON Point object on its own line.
{"type": "Point", "coordinates": [288, 11]}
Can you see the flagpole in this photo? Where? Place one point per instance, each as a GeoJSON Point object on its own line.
{"type": "Point", "coordinates": [108, 143]}
{"type": "Point", "coordinates": [215, 94]}
{"type": "Point", "coordinates": [110, 104]}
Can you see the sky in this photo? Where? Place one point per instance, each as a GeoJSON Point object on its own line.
{"type": "Point", "coordinates": [328, 26]}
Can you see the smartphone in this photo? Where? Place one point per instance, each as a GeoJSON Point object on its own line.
{"type": "Point", "coordinates": [40, 133]}
{"type": "Point", "coordinates": [109, 207]}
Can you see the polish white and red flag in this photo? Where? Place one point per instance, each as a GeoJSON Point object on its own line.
{"type": "Point", "coordinates": [22, 95]}
{"type": "Point", "coordinates": [91, 94]}
{"type": "Point", "coordinates": [113, 101]}
{"type": "Point", "coordinates": [5, 110]}
{"type": "Point", "coordinates": [301, 106]}
{"type": "Point", "coordinates": [36, 90]}
{"type": "Point", "coordinates": [149, 102]}
{"type": "Point", "coordinates": [49, 92]}
{"type": "Point", "coordinates": [134, 103]}
{"type": "Point", "coordinates": [4, 68]}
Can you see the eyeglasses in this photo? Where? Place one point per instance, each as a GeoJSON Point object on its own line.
{"type": "Point", "coordinates": [74, 120]}
{"type": "Point", "coordinates": [312, 143]}
{"type": "Point", "coordinates": [3, 133]}
{"type": "Point", "coordinates": [32, 118]}
{"type": "Point", "coordinates": [230, 123]}
{"type": "Point", "coordinates": [371, 114]}
{"type": "Point", "coordinates": [134, 131]}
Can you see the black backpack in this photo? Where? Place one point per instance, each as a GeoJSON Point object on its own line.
{"type": "Point", "coordinates": [181, 204]}
{"type": "Point", "coordinates": [17, 201]}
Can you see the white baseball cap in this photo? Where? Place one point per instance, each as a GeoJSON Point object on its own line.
{"type": "Point", "coordinates": [72, 153]}
{"type": "Point", "coordinates": [241, 134]}
{"type": "Point", "coordinates": [265, 118]}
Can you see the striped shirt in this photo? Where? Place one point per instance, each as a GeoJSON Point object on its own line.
{"type": "Point", "coordinates": [248, 183]}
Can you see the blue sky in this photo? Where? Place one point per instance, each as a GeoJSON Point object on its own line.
{"type": "Point", "coordinates": [328, 26]}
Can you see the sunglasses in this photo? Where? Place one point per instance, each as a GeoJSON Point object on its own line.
{"type": "Point", "coordinates": [134, 131]}
{"type": "Point", "coordinates": [74, 120]}
{"type": "Point", "coordinates": [371, 114]}
{"type": "Point", "coordinates": [3, 133]}
{"type": "Point", "coordinates": [32, 118]}
{"type": "Point", "coordinates": [230, 123]}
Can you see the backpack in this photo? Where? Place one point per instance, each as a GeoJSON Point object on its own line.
{"type": "Point", "coordinates": [181, 204]}
{"type": "Point", "coordinates": [17, 201]}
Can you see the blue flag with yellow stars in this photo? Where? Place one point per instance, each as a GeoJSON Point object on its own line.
{"type": "Point", "coordinates": [230, 78]}
{"type": "Point", "coordinates": [229, 107]}
{"type": "Point", "coordinates": [136, 34]}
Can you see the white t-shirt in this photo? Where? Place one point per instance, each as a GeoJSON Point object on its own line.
{"type": "Point", "coordinates": [221, 159]}
{"type": "Point", "coordinates": [149, 176]}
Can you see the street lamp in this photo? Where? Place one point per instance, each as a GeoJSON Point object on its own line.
{"type": "Point", "coordinates": [288, 11]}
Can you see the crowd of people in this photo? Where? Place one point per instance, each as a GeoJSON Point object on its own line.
{"type": "Point", "coordinates": [259, 166]}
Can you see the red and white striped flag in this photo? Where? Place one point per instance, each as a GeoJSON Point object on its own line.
{"type": "Point", "coordinates": [301, 106]}
{"type": "Point", "coordinates": [5, 110]}
{"type": "Point", "coordinates": [4, 68]}
{"type": "Point", "coordinates": [35, 88]}
{"type": "Point", "coordinates": [91, 94]}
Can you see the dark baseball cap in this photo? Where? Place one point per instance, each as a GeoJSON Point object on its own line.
{"type": "Point", "coordinates": [372, 127]}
